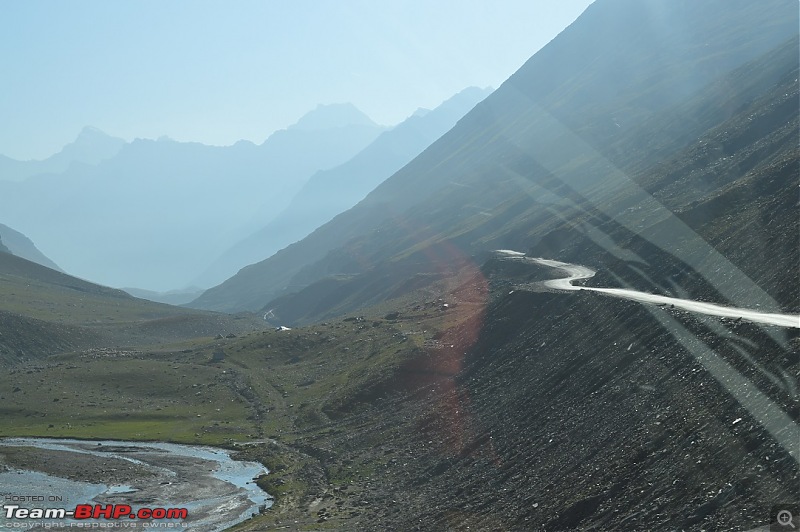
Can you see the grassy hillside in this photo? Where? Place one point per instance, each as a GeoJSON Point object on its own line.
{"type": "Point", "coordinates": [509, 406]}
{"type": "Point", "coordinates": [45, 312]}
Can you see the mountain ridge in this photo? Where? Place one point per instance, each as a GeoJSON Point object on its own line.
{"type": "Point", "coordinates": [181, 200]}
{"type": "Point", "coordinates": [331, 116]}
{"type": "Point", "coordinates": [531, 120]}
{"type": "Point", "coordinates": [332, 191]}
{"type": "Point", "coordinates": [90, 147]}
{"type": "Point", "coordinates": [21, 246]}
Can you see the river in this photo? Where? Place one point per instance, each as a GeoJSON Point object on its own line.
{"type": "Point", "coordinates": [216, 490]}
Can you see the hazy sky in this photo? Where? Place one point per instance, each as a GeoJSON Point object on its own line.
{"type": "Point", "coordinates": [219, 71]}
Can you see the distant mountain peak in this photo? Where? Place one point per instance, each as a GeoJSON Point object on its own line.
{"type": "Point", "coordinates": [93, 135]}
{"type": "Point", "coordinates": [330, 116]}
{"type": "Point", "coordinates": [89, 131]}
{"type": "Point", "coordinates": [91, 146]}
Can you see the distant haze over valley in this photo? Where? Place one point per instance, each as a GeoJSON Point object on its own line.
{"type": "Point", "coordinates": [135, 173]}
{"type": "Point", "coordinates": [217, 72]}
{"type": "Point", "coordinates": [153, 214]}
{"type": "Point", "coordinates": [332, 191]}
{"type": "Point", "coordinates": [158, 215]}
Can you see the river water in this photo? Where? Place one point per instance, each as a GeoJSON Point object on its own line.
{"type": "Point", "coordinates": [217, 491]}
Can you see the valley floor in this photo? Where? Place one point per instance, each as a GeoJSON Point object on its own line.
{"type": "Point", "coordinates": [491, 402]}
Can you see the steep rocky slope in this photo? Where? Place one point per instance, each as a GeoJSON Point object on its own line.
{"type": "Point", "coordinates": [517, 408]}
{"type": "Point", "coordinates": [699, 222]}
{"type": "Point", "coordinates": [569, 137]}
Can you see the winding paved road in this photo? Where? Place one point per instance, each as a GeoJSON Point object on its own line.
{"type": "Point", "coordinates": [576, 272]}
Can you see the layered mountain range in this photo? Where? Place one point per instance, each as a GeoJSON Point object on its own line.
{"type": "Point", "coordinates": [90, 147]}
{"type": "Point", "coordinates": [330, 192]}
{"type": "Point", "coordinates": [564, 156]}
{"type": "Point", "coordinates": [154, 214]}
{"type": "Point", "coordinates": [185, 203]}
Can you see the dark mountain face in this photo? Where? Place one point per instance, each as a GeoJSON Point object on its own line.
{"type": "Point", "coordinates": [3, 248]}
{"type": "Point", "coordinates": [330, 192]}
{"type": "Point", "coordinates": [676, 238]}
{"type": "Point", "coordinates": [155, 215]}
{"type": "Point", "coordinates": [563, 147]}
{"type": "Point", "coordinates": [654, 142]}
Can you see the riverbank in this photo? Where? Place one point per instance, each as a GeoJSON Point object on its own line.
{"type": "Point", "coordinates": [216, 490]}
{"type": "Point", "coordinates": [522, 408]}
